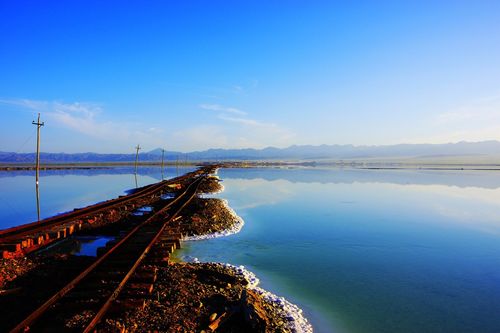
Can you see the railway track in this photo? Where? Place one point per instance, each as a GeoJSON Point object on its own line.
{"type": "Point", "coordinates": [20, 240]}
{"type": "Point", "coordinates": [114, 279]}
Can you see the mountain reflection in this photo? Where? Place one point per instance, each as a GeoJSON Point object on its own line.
{"type": "Point", "coordinates": [459, 178]}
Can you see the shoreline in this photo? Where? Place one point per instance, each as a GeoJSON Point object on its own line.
{"type": "Point", "coordinates": [357, 165]}
{"type": "Point", "coordinates": [234, 229]}
{"type": "Point", "coordinates": [290, 314]}
{"type": "Point", "coordinates": [210, 293]}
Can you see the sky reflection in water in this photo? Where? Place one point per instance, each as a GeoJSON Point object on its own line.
{"type": "Point", "coordinates": [64, 190]}
{"type": "Point", "coordinates": [358, 250]}
{"type": "Point", "coordinates": [370, 251]}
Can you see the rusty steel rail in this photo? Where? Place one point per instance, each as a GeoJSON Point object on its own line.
{"type": "Point", "coordinates": [104, 308]}
{"type": "Point", "coordinates": [182, 199]}
{"type": "Point", "coordinates": [21, 240]}
{"type": "Point", "coordinates": [93, 209]}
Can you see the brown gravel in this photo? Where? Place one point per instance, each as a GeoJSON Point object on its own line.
{"type": "Point", "coordinates": [11, 269]}
{"type": "Point", "coordinates": [187, 295]}
{"type": "Point", "coordinates": [42, 276]}
{"type": "Point", "coordinates": [205, 216]}
{"type": "Point", "coordinates": [211, 185]}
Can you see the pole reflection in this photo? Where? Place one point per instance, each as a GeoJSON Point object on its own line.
{"type": "Point", "coordinates": [38, 201]}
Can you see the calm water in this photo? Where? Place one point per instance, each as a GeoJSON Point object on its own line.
{"type": "Point", "coordinates": [359, 251]}
{"type": "Point", "coordinates": [370, 251]}
{"type": "Point", "coordinates": [62, 191]}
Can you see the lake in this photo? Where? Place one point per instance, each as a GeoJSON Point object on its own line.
{"type": "Point", "coordinates": [64, 190]}
{"type": "Point", "coordinates": [357, 250]}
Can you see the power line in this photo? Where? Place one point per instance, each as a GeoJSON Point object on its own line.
{"type": "Point", "coordinates": [25, 142]}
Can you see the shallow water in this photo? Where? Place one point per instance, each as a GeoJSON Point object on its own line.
{"type": "Point", "coordinates": [88, 245]}
{"type": "Point", "coordinates": [358, 250]}
{"type": "Point", "coordinates": [370, 250]}
{"type": "Point", "coordinates": [64, 190]}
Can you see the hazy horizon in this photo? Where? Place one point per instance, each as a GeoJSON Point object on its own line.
{"type": "Point", "coordinates": [485, 154]}
{"type": "Point", "coordinates": [152, 150]}
{"type": "Point", "coordinates": [147, 150]}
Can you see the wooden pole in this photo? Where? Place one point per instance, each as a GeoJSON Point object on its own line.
{"type": "Point", "coordinates": [37, 167]}
{"type": "Point", "coordinates": [38, 124]}
{"type": "Point", "coordinates": [137, 157]}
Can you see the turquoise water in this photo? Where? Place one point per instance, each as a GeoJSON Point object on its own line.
{"type": "Point", "coordinates": [358, 250]}
{"type": "Point", "coordinates": [370, 250]}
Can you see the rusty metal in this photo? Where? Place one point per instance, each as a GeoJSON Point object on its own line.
{"type": "Point", "coordinates": [32, 236]}
{"type": "Point", "coordinates": [117, 291]}
{"type": "Point", "coordinates": [93, 209]}
{"type": "Point", "coordinates": [120, 245]}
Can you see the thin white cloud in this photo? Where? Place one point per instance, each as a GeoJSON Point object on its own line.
{"type": "Point", "coordinates": [93, 129]}
{"type": "Point", "coordinates": [87, 119]}
{"type": "Point", "coordinates": [246, 121]}
{"type": "Point", "coordinates": [245, 132]}
{"type": "Point", "coordinates": [77, 116]}
{"type": "Point", "coordinates": [220, 108]}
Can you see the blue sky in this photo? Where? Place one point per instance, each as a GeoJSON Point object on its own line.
{"type": "Point", "coordinates": [191, 75]}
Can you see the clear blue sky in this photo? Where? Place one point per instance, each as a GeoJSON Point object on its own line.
{"type": "Point", "coordinates": [191, 75]}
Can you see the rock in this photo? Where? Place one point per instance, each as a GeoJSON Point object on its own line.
{"type": "Point", "coordinates": [254, 311]}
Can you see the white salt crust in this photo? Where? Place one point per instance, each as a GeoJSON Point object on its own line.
{"type": "Point", "coordinates": [235, 228]}
{"type": "Point", "coordinates": [291, 314]}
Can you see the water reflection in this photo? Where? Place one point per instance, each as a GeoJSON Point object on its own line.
{"type": "Point", "coordinates": [88, 246]}
{"type": "Point", "coordinates": [359, 250]}
{"type": "Point", "coordinates": [37, 202]}
{"type": "Point", "coordinates": [169, 171]}
{"type": "Point", "coordinates": [81, 245]}
{"type": "Point", "coordinates": [370, 250]}
{"type": "Point", "coordinates": [64, 190]}
{"type": "Point", "coordinates": [459, 178]}
{"type": "Point", "coordinates": [473, 207]}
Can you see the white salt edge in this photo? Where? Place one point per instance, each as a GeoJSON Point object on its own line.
{"type": "Point", "coordinates": [210, 195]}
{"type": "Point", "coordinates": [291, 314]}
{"type": "Point", "coordinates": [235, 228]}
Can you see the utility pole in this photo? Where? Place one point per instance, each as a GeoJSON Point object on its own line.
{"type": "Point", "coordinates": [162, 155]}
{"type": "Point", "coordinates": [137, 156]}
{"type": "Point", "coordinates": [38, 125]}
{"type": "Point", "coordinates": [137, 148]}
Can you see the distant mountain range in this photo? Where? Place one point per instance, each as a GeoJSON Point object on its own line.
{"type": "Point", "coordinates": [292, 153]}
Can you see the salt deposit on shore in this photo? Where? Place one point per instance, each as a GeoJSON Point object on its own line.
{"type": "Point", "coordinates": [290, 313]}
{"type": "Point", "coordinates": [235, 228]}
{"type": "Point", "coordinates": [220, 190]}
